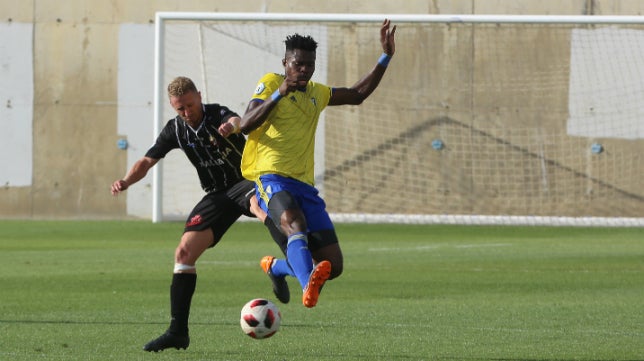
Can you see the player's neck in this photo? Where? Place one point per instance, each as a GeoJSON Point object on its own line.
{"type": "Point", "coordinates": [195, 124]}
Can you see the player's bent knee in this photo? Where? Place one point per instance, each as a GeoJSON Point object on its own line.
{"type": "Point", "coordinates": [185, 255]}
{"type": "Point", "coordinates": [181, 254]}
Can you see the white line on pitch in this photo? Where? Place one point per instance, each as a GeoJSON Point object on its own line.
{"type": "Point", "coordinates": [430, 247]}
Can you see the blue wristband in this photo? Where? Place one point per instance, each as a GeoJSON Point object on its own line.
{"type": "Point", "coordinates": [276, 95]}
{"type": "Point", "coordinates": [384, 59]}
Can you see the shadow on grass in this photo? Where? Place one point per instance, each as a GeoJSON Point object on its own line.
{"type": "Point", "coordinates": [73, 322]}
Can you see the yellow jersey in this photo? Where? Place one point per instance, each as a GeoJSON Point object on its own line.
{"type": "Point", "coordinates": [285, 143]}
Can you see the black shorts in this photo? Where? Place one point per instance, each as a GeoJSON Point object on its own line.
{"type": "Point", "coordinates": [219, 210]}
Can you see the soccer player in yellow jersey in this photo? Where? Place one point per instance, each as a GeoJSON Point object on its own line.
{"type": "Point", "coordinates": [281, 121]}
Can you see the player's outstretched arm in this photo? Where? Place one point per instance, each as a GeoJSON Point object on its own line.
{"type": "Point", "coordinates": [136, 173]}
{"type": "Point", "coordinates": [357, 93]}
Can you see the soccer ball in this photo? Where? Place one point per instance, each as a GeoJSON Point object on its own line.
{"type": "Point", "coordinates": [260, 318]}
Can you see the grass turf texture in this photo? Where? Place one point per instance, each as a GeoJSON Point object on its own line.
{"type": "Point", "coordinates": [99, 291]}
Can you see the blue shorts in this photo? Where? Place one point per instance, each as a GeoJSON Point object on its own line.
{"type": "Point", "coordinates": [306, 196]}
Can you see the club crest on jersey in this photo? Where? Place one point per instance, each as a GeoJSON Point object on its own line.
{"type": "Point", "coordinates": [260, 88]}
{"type": "Point", "coordinates": [315, 103]}
{"type": "Point", "coordinates": [194, 221]}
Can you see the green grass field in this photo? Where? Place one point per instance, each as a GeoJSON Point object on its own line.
{"type": "Point", "coordinates": [99, 291]}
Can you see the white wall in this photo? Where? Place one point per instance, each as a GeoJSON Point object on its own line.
{"type": "Point", "coordinates": [16, 104]}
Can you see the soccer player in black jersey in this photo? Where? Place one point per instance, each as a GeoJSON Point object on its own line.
{"type": "Point", "coordinates": [209, 136]}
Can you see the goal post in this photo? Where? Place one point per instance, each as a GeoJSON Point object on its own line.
{"type": "Point", "coordinates": [480, 119]}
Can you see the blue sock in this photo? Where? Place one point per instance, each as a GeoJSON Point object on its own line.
{"type": "Point", "coordinates": [299, 257]}
{"type": "Point", "coordinates": [281, 268]}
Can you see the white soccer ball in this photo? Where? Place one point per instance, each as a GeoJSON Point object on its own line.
{"type": "Point", "coordinates": [260, 318]}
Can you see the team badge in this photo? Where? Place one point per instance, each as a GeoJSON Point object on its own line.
{"type": "Point", "coordinates": [194, 221]}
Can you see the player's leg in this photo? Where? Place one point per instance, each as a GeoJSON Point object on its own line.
{"type": "Point", "coordinates": [280, 286]}
{"type": "Point", "coordinates": [207, 223]}
{"type": "Point", "coordinates": [282, 196]}
{"type": "Point", "coordinates": [276, 199]}
{"type": "Point", "coordinates": [277, 269]}
{"type": "Point", "coordinates": [275, 231]}
{"type": "Point", "coordinates": [310, 276]}
{"type": "Point", "coordinates": [283, 207]}
{"type": "Point", "coordinates": [184, 281]}
{"type": "Point", "coordinates": [322, 243]}
{"type": "Point", "coordinates": [324, 246]}
{"type": "Point", "coordinates": [273, 269]}
{"type": "Point", "coordinates": [192, 246]}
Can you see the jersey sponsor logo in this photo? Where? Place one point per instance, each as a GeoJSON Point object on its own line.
{"type": "Point", "coordinates": [194, 221]}
{"type": "Point", "coordinates": [211, 163]}
{"type": "Point", "coordinates": [225, 152]}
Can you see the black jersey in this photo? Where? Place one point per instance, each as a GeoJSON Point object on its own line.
{"type": "Point", "coordinates": [217, 159]}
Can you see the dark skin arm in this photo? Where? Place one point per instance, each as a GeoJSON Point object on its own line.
{"type": "Point", "coordinates": [357, 93]}
{"type": "Point", "coordinates": [256, 114]}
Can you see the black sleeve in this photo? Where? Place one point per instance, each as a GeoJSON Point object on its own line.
{"type": "Point", "coordinates": [166, 141]}
{"type": "Point", "coordinates": [225, 113]}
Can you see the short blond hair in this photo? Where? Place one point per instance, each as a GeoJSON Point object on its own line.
{"type": "Point", "coordinates": [181, 85]}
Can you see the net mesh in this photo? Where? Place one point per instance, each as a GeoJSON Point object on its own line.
{"type": "Point", "coordinates": [470, 120]}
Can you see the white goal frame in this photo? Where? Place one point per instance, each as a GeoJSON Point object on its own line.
{"type": "Point", "coordinates": [160, 98]}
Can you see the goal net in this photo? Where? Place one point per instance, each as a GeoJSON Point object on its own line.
{"type": "Point", "coordinates": [478, 120]}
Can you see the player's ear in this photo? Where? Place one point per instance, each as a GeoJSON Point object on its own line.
{"type": "Point", "coordinates": [284, 62]}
